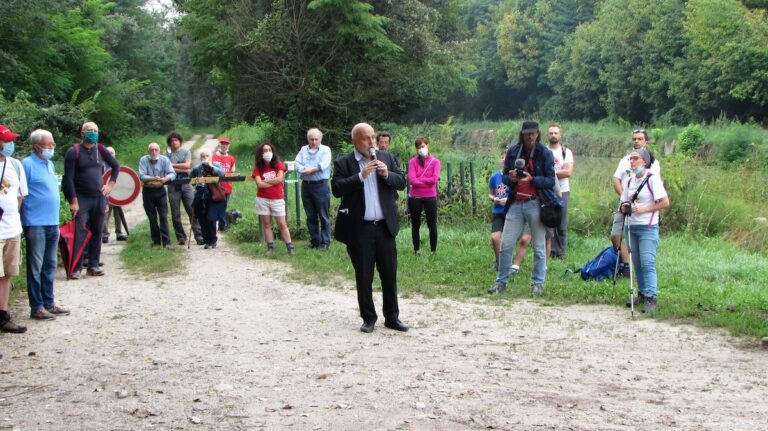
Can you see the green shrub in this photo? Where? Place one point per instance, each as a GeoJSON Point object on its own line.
{"type": "Point", "coordinates": [691, 139]}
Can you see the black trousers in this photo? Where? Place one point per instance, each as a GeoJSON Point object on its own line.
{"type": "Point", "coordinates": [207, 227]}
{"type": "Point", "coordinates": [91, 215]}
{"type": "Point", "coordinates": [375, 247]}
{"type": "Point", "coordinates": [156, 207]}
{"type": "Point", "coordinates": [429, 205]}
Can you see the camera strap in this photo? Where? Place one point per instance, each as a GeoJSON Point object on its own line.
{"type": "Point", "coordinates": [639, 188]}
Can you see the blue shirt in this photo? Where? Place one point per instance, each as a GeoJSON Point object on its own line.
{"type": "Point", "coordinates": [373, 209]}
{"type": "Point", "coordinates": [499, 190]}
{"type": "Point", "coordinates": [41, 206]}
{"type": "Point", "coordinates": [161, 167]}
{"type": "Point", "coordinates": [309, 158]}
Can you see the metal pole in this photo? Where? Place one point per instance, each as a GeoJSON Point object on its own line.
{"type": "Point", "coordinates": [472, 185]}
{"type": "Point", "coordinates": [450, 185]}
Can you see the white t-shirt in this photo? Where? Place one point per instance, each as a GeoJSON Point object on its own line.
{"type": "Point", "coordinates": [652, 192]}
{"type": "Point", "coordinates": [565, 184]}
{"type": "Point", "coordinates": [14, 184]}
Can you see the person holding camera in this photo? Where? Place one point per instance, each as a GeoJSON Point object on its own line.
{"type": "Point", "coordinates": [529, 169]}
{"type": "Point", "coordinates": [207, 211]}
{"type": "Point", "coordinates": [642, 198]}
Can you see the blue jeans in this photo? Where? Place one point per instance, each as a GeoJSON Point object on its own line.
{"type": "Point", "coordinates": [518, 214]}
{"type": "Point", "coordinates": [42, 243]}
{"type": "Point", "coordinates": [316, 199]}
{"type": "Point", "coordinates": [644, 240]}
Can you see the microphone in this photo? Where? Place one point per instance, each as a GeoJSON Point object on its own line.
{"type": "Point", "coordinates": [372, 152]}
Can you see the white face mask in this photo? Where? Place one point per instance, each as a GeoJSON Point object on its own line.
{"type": "Point", "coordinates": [267, 156]}
{"type": "Point", "coordinates": [423, 151]}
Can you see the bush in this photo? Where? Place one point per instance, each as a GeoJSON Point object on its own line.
{"type": "Point", "coordinates": [691, 139]}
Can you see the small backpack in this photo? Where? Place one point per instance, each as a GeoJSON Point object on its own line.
{"type": "Point", "coordinates": [601, 266]}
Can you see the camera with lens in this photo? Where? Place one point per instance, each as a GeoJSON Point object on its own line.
{"type": "Point", "coordinates": [520, 168]}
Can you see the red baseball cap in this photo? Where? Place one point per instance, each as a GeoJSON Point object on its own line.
{"type": "Point", "coordinates": [6, 135]}
{"type": "Point", "coordinates": [223, 140]}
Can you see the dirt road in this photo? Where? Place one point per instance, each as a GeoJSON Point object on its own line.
{"type": "Point", "coordinates": [227, 343]}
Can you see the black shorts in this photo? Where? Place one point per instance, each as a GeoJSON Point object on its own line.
{"type": "Point", "coordinates": [497, 223]}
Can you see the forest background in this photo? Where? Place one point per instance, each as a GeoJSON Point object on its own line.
{"type": "Point", "coordinates": [694, 73]}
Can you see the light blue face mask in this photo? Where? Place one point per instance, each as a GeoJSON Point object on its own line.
{"type": "Point", "coordinates": [638, 170]}
{"type": "Point", "coordinates": [8, 149]}
{"type": "Point", "coordinates": [91, 137]}
{"type": "Point", "coordinates": [48, 153]}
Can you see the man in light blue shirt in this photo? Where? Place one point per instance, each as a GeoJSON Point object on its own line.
{"type": "Point", "coordinates": [154, 171]}
{"type": "Point", "coordinates": [313, 163]}
{"type": "Point", "coordinates": [40, 219]}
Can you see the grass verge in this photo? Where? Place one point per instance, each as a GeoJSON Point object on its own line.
{"type": "Point", "coordinates": [139, 257]}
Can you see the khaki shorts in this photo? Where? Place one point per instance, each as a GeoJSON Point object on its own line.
{"type": "Point", "coordinates": [617, 229]}
{"type": "Point", "coordinates": [270, 207]}
{"type": "Point", "coordinates": [11, 256]}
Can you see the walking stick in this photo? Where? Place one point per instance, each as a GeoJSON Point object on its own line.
{"type": "Point", "coordinates": [631, 270]}
{"type": "Point", "coordinates": [618, 251]}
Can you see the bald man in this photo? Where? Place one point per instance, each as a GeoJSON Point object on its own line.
{"type": "Point", "coordinates": [86, 192]}
{"type": "Point", "coordinates": [367, 183]}
{"type": "Point", "coordinates": [154, 171]}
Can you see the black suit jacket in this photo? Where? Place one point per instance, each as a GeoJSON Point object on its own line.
{"type": "Point", "coordinates": [346, 184]}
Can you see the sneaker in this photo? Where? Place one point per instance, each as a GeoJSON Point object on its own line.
{"type": "Point", "coordinates": [104, 239]}
{"type": "Point", "coordinates": [41, 314]}
{"type": "Point", "coordinates": [498, 287]}
{"type": "Point", "coordinates": [514, 269]}
{"type": "Point", "coordinates": [292, 251]}
{"type": "Point", "coordinates": [95, 271]}
{"type": "Point", "coordinates": [537, 289]}
{"type": "Point", "coordinates": [636, 301]}
{"type": "Point", "coordinates": [270, 251]}
{"type": "Point", "coordinates": [650, 305]}
{"type": "Point", "coordinates": [182, 242]}
{"type": "Point", "coordinates": [76, 275]}
{"type": "Point", "coordinates": [122, 238]}
{"type": "Point", "coordinates": [58, 311]}
{"type": "Point", "coordinates": [12, 328]}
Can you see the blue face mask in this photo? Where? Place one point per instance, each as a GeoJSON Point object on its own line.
{"type": "Point", "coordinates": [8, 149]}
{"type": "Point", "coordinates": [48, 153]}
{"type": "Point", "coordinates": [91, 137]}
{"type": "Point", "coordinates": [638, 170]}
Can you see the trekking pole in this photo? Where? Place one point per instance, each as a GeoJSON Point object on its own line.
{"type": "Point", "coordinates": [618, 251]}
{"type": "Point", "coordinates": [631, 270]}
{"type": "Point", "coordinates": [191, 228]}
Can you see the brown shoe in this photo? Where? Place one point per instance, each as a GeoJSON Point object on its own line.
{"type": "Point", "coordinates": [650, 305]}
{"type": "Point", "coordinates": [41, 314]}
{"type": "Point", "coordinates": [12, 328]}
{"type": "Point", "coordinates": [58, 311]}
{"type": "Point", "coordinates": [95, 271]}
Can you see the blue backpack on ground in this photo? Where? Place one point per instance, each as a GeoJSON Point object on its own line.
{"type": "Point", "coordinates": [601, 266]}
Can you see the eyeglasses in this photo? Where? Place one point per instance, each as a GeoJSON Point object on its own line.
{"type": "Point", "coordinates": [639, 131]}
{"type": "Point", "coordinates": [633, 158]}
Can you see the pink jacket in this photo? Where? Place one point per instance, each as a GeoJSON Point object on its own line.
{"type": "Point", "coordinates": [423, 179]}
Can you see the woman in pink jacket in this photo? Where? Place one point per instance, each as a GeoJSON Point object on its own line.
{"type": "Point", "coordinates": [423, 175]}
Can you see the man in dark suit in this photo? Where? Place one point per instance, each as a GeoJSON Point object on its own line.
{"type": "Point", "coordinates": [367, 183]}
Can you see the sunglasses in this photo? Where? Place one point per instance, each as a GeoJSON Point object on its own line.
{"type": "Point", "coordinates": [639, 131]}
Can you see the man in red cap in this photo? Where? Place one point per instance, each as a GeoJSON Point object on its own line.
{"type": "Point", "coordinates": [227, 162]}
{"type": "Point", "coordinates": [13, 188]}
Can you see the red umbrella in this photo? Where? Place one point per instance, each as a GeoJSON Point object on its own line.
{"type": "Point", "coordinates": [73, 238]}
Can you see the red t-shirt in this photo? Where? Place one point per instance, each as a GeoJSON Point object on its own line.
{"type": "Point", "coordinates": [525, 189]}
{"type": "Point", "coordinates": [274, 192]}
{"type": "Point", "coordinates": [228, 164]}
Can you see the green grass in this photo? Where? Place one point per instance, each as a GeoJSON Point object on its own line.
{"type": "Point", "coordinates": [139, 257]}
{"type": "Point", "coordinates": [707, 281]}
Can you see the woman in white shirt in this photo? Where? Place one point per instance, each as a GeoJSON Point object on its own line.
{"type": "Point", "coordinates": [643, 196]}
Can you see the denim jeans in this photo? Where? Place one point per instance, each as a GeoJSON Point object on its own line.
{"type": "Point", "coordinates": [42, 243]}
{"type": "Point", "coordinates": [560, 233]}
{"type": "Point", "coordinates": [514, 223]}
{"type": "Point", "coordinates": [644, 240]}
{"type": "Point", "coordinates": [316, 199]}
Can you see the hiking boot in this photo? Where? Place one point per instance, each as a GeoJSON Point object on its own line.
{"type": "Point", "coordinates": [650, 305]}
{"type": "Point", "coordinates": [104, 239]}
{"type": "Point", "coordinates": [537, 289]}
{"type": "Point", "coordinates": [636, 301]}
{"type": "Point", "coordinates": [270, 251]}
{"type": "Point", "coordinates": [498, 287]}
{"type": "Point", "coordinates": [292, 251]}
{"type": "Point", "coordinates": [58, 311]}
{"type": "Point", "coordinates": [122, 238]}
{"type": "Point", "coordinates": [12, 328]}
{"type": "Point", "coordinates": [95, 271]}
{"type": "Point", "coordinates": [41, 314]}
{"type": "Point", "coordinates": [76, 275]}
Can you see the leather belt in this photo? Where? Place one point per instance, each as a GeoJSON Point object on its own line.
{"type": "Point", "coordinates": [530, 198]}
{"type": "Point", "coordinates": [314, 182]}
{"type": "Point", "coordinates": [374, 222]}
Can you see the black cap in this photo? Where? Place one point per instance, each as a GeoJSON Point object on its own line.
{"type": "Point", "coordinates": [530, 127]}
